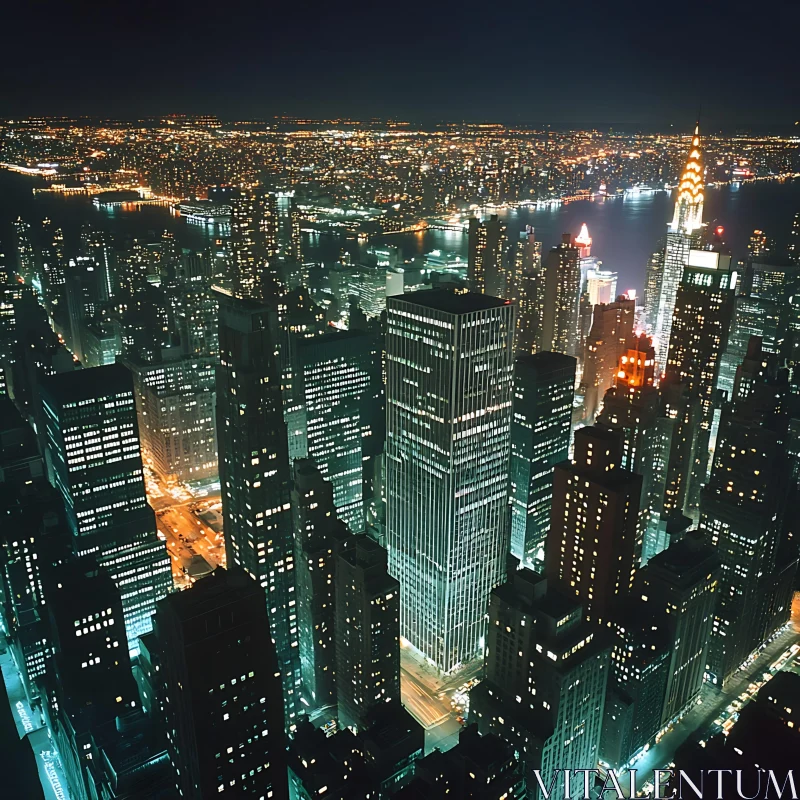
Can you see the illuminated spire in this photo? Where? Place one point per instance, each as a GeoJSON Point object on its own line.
{"type": "Point", "coordinates": [584, 241]}
{"type": "Point", "coordinates": [689, 205]}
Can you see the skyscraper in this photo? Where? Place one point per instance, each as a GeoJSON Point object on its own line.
{"type": "Point", "coordinates": [175, 405]}
{"type": "Point", "coordinates": [751, 316]}
{"type": "Point", "coordinates": [95, 461]}
{"type": "Point", "coordinates": [92, 661]}
{"type": "Point", "coordinates": [531, 292]}
{"type": "Point", "coordinates": [254, 472]}
{"type": "Point", "coordinates": [487, 246]}
{"type": "Point", "coordinates": [449, 392]}
{"type": "Point", "coordinates": [794, 241]}
{"type": "Point", "coordinates": [249, 258]}
{"type": "Point", "coordinates": [742, 509]}
{"type": "Point", "coordinates": [546, 676]}
{"type": "Point", "coordinates": [220, 689]}
{"type": "Point", "coordinates": [562, 286]}
{"type": "Point", "coordinates": [336, 377]}
{"type": "Point", "coordinates": [319, 538]}
{"type": "Point", "coordinates": [593, 528]}
{"type": "Point", "coordinates": [367, 631]}
{"type": "Point", "coordinates": [681, 585]}
{"type": "Point", "coordinates": [703, 308]}
{"type": "Point", "coordinates": [601, 285]}
{"type": "Point", "coordinates": [544, 388]}
{"type": "Point", "coordinates": [637, 681]}
{"type": "Point", "coordinates": [683, 235]}
{"type": "Point", "coordinates": [612, 326]}
{"type": "Point", "coordinates": [632, 406]}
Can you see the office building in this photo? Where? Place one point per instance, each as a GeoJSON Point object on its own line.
{"type": "Point", "coordinates": [337, 378]}
{"type": "Point", "coordinates": [375, 762]}
{"type": "Point", "coordinates": [637, 681]}
{"type": "Point", "coordinates": [219, 680]}
{"type": "Point", "coordinates": [479, 767]}
{"type": "Point", "coordinates": [612, 326]}
{"type": "Point", "coordinates": [546, 676]}
{"type": "Point", "coordinates": [175, 406]}
{"type": "Point", "coordinates": [101, 343]}
{"type": "Point", "coordinates": [26, 254]}
{"type": "Point", "coordinates": [94, 460]}
{"type": "Point", "coordinates": [591, 544]}
{"type": "Point", "coordinates": [632, 406]}
{"type": "Point", "coordinates": [681, 586]}
{"type": "Point", "coordinates": [751, 316]}
{"type": "Point", "coordinates": [531, 292]}
{"type": "Point", "coordinates": [601, 286]}
{"type": "Point", "coordinates": [487, 245]}
{"type": "Point", "coordinates": [683, 235]}
{"type": "Point", "coordinates": [287, 225]}
{"type": "Point", "coordinates": [249, 262]}
{"type": "Point", "coordinates": [367, 631]}
{"type": "Point", "coordinates": [561, 297]}
{"type": "Point", "coordinates": [254, 472]}
{"type": "Point", "coordinates": [741, 509]}
{"type": "Point", "coordinates": [794, 240]}
{"type": "Point", "coordinates": [544, 388]}
{"type": "Point", "coordinates": [89, 639]}
{"type": "Point", "coordinates": [449, 392]}
{"type": "Point", "coordinates": [89, 689]}
{"type": "Point", "coordinates": [699, 328]}
{"type": "Point", "coordinates": [319, 538]}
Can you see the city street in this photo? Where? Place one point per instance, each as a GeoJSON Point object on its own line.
{"type": "Point", "coordinates": [428, 697]}
{"type": "Point", "coordinates": [714, 701]}
{"type": "Point", "coordinates": [186, 532]}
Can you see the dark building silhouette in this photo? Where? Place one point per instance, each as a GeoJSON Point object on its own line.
{"type": "Point", "coordinates": [254, 473]}
{"type": "Point", "coordinates": [593, 527]}
{"type": "Point", "coordinates": [221, 690]}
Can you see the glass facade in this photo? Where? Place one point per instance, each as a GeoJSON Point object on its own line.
{"type": "Point", "coordinates": [544, 389]}
{"type": "Point", "coordinates": [449, 394]}
{"type": "Point", "coordinates": [254, 473]}
{"type": "Point", "coordinates": [95, 462]}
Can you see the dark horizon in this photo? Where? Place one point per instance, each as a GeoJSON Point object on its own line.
{"type": "Point", "coordinates": [519, 62]}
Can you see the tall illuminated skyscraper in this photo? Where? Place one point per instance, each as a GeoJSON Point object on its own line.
{"type": "Point", "coordinates": [318, 539]}
{"type": "Point", "coordinates": [449, 392]}
{"type": "Point", "coordinates": [367, 631]}
{"type": "Point", "coordinates": [531, 292]}
{"type": "Point", "coordinates": [612, 326]}
{"type": "Point", "coordinates": [254, 473]}
{"type": "Point", "coordinates": [544, 388]}
{"type": "Point", "coordinates": [337, 374]}
{"type": "Point", "coordinates": [794, 241]}
{"type": "Point", "coordinates": [742, 509]}
{"type": "Point", "coordinates": [249, 260]}
{"type": "Point", "coordinates": [544, 689]}
{"type": "Point", "coordinates": [632, 407]}
{"type": "Point", "coordinates": [487, 250]}
{"type": "Point", "coordinates": [592, 538]}
{"type": "Point", "coordinates": [700, 322]}
{"type": "Point", "coordinates": [683, 234]}
{"type": "Point", "coordinates": [95, 461]}
{"type": "Point", "coordinates": [682, 584]}
{"type": "Point", "coordinates": [562, 286]}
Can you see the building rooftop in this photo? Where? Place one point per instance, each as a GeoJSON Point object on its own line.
{"type": "Point", "coordinates": [213, 592]}
{"type": "Point", "coordinates": [450, 302]}
{"type": "Point", "coordinates": [84, 384]}
{"type": "Point", "coordinates": [547, 360]}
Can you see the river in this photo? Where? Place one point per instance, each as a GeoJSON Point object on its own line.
{"type": "Point", "coordinates": [624, 230]}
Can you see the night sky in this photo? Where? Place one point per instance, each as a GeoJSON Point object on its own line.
{"type": "Point", "coordinates": [649, 64]}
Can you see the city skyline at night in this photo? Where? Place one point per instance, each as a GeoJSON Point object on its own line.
{"type": "Point", "coordinates": [399, 407]}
